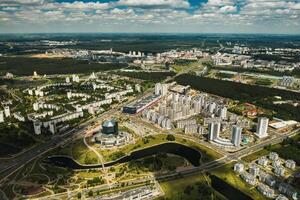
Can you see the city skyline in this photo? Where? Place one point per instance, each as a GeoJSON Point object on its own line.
{"type": "Point", "coordinates": [151, 16]}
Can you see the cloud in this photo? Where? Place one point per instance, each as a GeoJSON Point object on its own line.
{"type": "Point", "coordinates": [156, 15]}
{"type": "Point", "coordinates": [228, 9]}
{"type": "Point", "coordinates": [154, 3]}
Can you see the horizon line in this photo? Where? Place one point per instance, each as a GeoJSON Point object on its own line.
{"type": "Point", "coordinates": [154, 33]}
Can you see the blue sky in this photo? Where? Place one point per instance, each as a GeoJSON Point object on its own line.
{"type": "Point", "coordinates": [163, 16]}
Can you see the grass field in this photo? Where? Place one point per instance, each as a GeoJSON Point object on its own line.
{"type": "Point", "coordinates": [177, 189]}
{"type": "Point", "coordinates": [255, 155]}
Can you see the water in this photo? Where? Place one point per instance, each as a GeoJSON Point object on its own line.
{"type": "Point", "coordinates": [190, 154]}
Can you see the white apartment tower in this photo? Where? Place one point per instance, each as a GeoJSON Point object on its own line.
{"type": "Point", "coordinates": [161, 89]}
{"type": "Point", "coordinates": [1, 116]}
{"type": "Point", "coordinates": [7, 111]}
{"type": "Point", "coordinates": [236, 135]}
{"type": "Point", "coordinates": [213, 130]}
{"type": "Point", "coordinates": [158, 88]}
{"type": "Point", "coordinates": [262, 127]}
{"type": "Point", "coordinates": [223, 112]}
{"type": "Point", "coordinates": [37, 127]}
{"type": "Point", "coordinates": [164, 89]}
{"type": "Point", "coordinates": [52, 127]}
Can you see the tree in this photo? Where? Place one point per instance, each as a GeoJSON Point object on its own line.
{"type": "Point", "coordinates": [79, 195]}
{"type": "Point", "coordinates": [91, 193]}
{"type": "Point", "coordinates": [171, 137]}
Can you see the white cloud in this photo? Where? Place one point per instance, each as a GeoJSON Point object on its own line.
{"type": "Point", "coordinates": [152, 13]}
{"type": "Point", "coordinates": [228, 9]}
{"type": "Point", "coordinates": [155, 3]}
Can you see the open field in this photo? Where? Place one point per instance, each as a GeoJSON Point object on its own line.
{"type": "Point", "coordinates": [178, 189]}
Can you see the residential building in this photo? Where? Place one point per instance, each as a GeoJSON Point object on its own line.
{"type": "Point", "coordinates": [236, 135]}
{"type": "Point", "coordinates": [238, 167]}
{"type": "Point", "coordinates": [262, 127]}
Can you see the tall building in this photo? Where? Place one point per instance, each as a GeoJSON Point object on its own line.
{"type": "Point", "coordinates": [164, 89]}
{"type": "Point", "coordinates": [197, 106]}
{"type": "Point", "coordinates": [52, 127]}
{"type": "Point", "coordinates": [212, 106]}
{"type": "Point", "coordinates": [161, 89]}
{"type": "Point", "coordinates": [223, 112]}
{"type": "Point", "coordinates": [262, 127]}
{"type": "Point", "coordinates": [1, 117]}
{"type": "Point", "coordinates": [236, 135]}
{"type": "Point", "coordinates": [37, 127]}
{"type": "Point", "coordinates": [7, 111]}
{"type": "Point", "coordinates": [175, 97]}
{"type": "Point", "coordinates": [158, 88]}
{"type": "Point", "coordinates": [213, 130]}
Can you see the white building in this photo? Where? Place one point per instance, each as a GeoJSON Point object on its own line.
{"type": "Point", "coordinates": [161, 89]}
{"type": "Point", "coordinates": [37, 127]}
{"type": "Point", "coordinates": [138, 88]}
{"type": "Point", "coordinates": [213, 130]}
{"type": "Point", "coordinates": [223, 112]}
{"type": "Point", "coordinates": [158, 88]}
{"type": "Point", "coordinates": [238, 167]}
{"type": "Point", "coordinates": [263, 161]}
{"type": "Point", "coordinates": [52, 127]}
{"type": "Point", "coordinates": [290, 164]}
{"type": "Point", "coordinates": [250, 179]}
{"type": "Point", "coordinates": [7, 111]}
{"type": "Point", "coordinates": [265, 190]}
{"type": "Point", "coordinates": [273, 156]}
{"type": "Point", "coordinates": [236, 135]}
{"type": "Point", "coordinates": [1, 116]}
{"type": "Point", "coordinates": [281, 197]}
{"type": "Point", "coordinates": [254, 170]}
{"type": "Point", "coordinates": [279, 171]}
{"type": "Point", "coordinates": [262, 127]}
{"type": "Point", "coordinates": [19, 117]}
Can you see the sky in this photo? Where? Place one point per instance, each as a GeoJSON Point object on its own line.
{"type": "Point", "coordinates": [150, 16]}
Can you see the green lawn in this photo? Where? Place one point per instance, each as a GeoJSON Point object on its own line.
{"type": "Point", "coordinates": [256, 155]}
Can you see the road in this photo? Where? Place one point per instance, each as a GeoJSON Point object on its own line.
{"type": "Point", "coordinates": [231, 157]}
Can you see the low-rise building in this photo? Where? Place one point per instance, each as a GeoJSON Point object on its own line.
{"type": "Point", "coordinates": [273, 156]}
{"type": "Point", "coordinates": [279, 171]}
{"type": "Point", "coordinates": [290, 164]}
{"type": "Point", "coordinates": [263, 161]}
{"type": "Point", "coordinates": [281, 197]}
{"type": "Point", "coordinates": [238, 167]}
{"type": "Point", "coordinates": [254, 170]}
{"type": "Point", "coordinates": [250, 179]}
{"type": "Point", "coordinates": [276, 163]}
{"type": "Point", "coordinates": [267, 179]}
{"type": "Point", "coordinates": [288, 190]}
{"type": "Point", "coordinates": [265, 190]}
{"type": "Point", "coordinates": [19, 117]}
